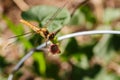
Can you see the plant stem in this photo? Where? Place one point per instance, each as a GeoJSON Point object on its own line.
{"type": "Point", "coordinates": [17, 67]}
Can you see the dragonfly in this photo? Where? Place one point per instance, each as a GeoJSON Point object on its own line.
{"type": "Point", "coordinates": [44, 32]}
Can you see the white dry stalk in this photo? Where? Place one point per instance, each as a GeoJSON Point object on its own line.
{"type": "Point", "coordinates": [21, 4]}
{"type": "Point", "coordinates": [59, 39]}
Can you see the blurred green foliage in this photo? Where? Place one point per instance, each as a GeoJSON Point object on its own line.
{"type": "Point", "coordinates": [17, 30]}
{"type": "Point", "coordinates": [78, 57]}
{"type": "Point", "coordinates": [39, 62]}
{"type": "Point", "coordinates": [42, 14]}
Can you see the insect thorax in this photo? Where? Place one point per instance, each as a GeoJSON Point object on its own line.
{"type": "Point", "coordinates": [51, 36]}
{"type": "Point", "coordinates": [44, 32]}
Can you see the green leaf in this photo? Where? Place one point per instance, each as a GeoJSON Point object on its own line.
{"type": "Point", "coordinates": [101, 49]}
{"type": "Point", "coordinates": [3, 78]}
{"type": "Point", "coordinates": [25, 42]}
{"type": "Point", "coordinates": [81, 61]}
{"type": "Point", "coordinates": [78, 18]}
{"type": "Point", "coordinates": [88, 14]}
{"type": "Point", "coordinates": [52, 70]}
{"type": "Point", "coordinates": [70, 48]}
{"type": "Point", "coordinates": [111, 14]}
{"type": "Point", "coordinates": [42, 14]}
{"type": "Point", "coordinates": [3, 64]}
{"type": "Point", "coordinates": [83, 16]}
{"type": "Point", "coordinates": [18, 30]}
{"type": "Point", "coordinates": [40, 61]}
{"type": "Point", "coordinates": [104, 75]}
{"type": "Point", "coordinates": [107, 47]}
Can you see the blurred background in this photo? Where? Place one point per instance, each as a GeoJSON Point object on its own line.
{"type": "Point", "coordinates": [92, 57]}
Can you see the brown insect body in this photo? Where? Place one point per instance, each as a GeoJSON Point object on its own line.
{"type": "Point", "coordinates": [42, 31]}
{"type": "Point", "coordinates": [45, 33]}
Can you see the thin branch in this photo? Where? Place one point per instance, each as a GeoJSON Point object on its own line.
{"type": "Point", "coordinates": [10, 77]}
{"type": "Point", "coordinates": [88, 33]}
{"type": "Point", "coordinates": [17, 67]}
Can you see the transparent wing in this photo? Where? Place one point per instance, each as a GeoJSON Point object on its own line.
{"type": "Point", "coordinates": [21, 35]}
{"type": "Point", "coordinates": [12, 42]}
{"type": "Point", "coordinates": [55, 14]}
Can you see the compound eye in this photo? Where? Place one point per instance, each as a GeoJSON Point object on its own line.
{"type": "Point", "coordinates": [51, 36]}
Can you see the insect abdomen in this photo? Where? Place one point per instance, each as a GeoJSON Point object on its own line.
{"type": "Point", "coordinates": [36, 29]}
